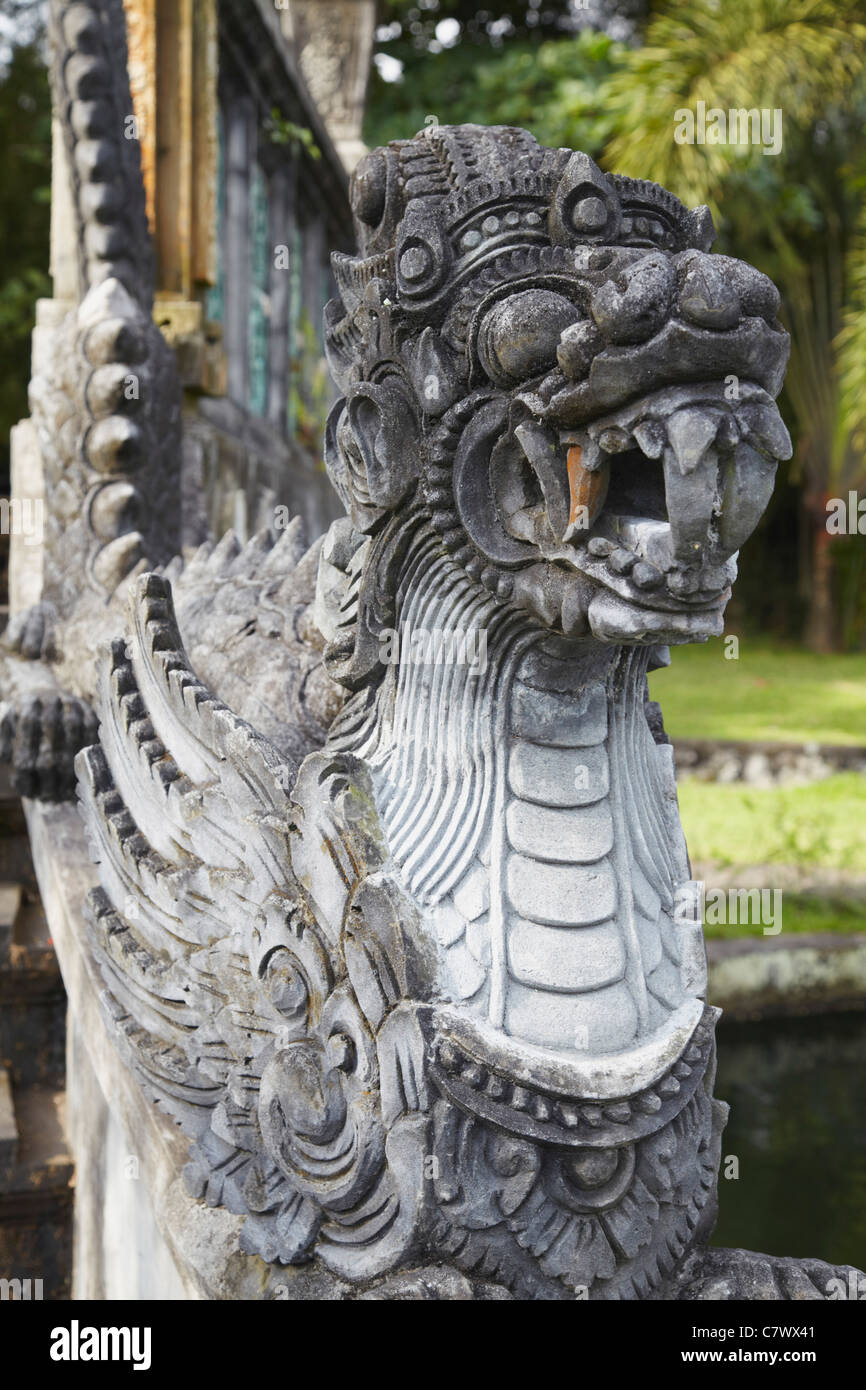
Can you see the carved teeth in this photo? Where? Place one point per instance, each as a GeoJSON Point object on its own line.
{"type": "Point", "coordinates": [621, 561]}
{"type": "Point", "coordinates": [592, 1114]}
{"type": "Point", "coordinates": [473, 1075]}
{"type": "Point", "coordinates": [600, 546]}
{"type": "Point", "coordinates": [765, 427]}
{"type": "Point", "coordinates": [520, 1098]}
{"type": "Point", "coordinates": [691, 483]}
{"type": "Point", "coordinates": [683, 582]}
{"type": "Point", "coordinates": [449, 1057]}
{"type": "Point", "coordinates": [615, 440]}
{"type": "Point", "coordinates": [587, 491]}
{"type": "Point", "coordinates": [650, 438]}
{"type": "Point", "coordinates": [646, 576]}
{"type": "Point", "coordinates": [591, 455]}
{"type": "Point", "coordinates": [728, 434]}
{"type": "Point", "coordinates": [539, 446]}
{"type": "Point", "coordinates": [690, 434]}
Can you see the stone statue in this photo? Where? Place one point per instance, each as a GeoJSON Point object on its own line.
{"type": "Point", "coordinates": [396, 917]}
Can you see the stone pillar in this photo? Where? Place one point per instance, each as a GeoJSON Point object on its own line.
{"type": "Point", "coordinates": [239, 153]}
{"type": "Point", "coordinates": [27, 483]}
{"type": "Point", "coordinates": [173, 63]}
{"type": "Point", "coordinates": [333, 41]}
{"type": "Point", "coordinates": [281, 191]}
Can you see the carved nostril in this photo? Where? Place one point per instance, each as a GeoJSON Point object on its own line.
{"type": "Point", "coordinates": [757, 294]}
{"type": "Point", "coordinates": [634, 308]}
{"type": "Point", "coordinates": [578, 345]}
{"type": "Point", "coordinates": [707, 298]}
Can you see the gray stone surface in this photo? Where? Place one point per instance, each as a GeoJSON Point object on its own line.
{"type": "Point", "coordinates": [721, 1275]}
{"type": "Point", "coordinates": [395, 918]}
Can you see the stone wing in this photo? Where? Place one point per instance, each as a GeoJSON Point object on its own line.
{"type": "Point", "coordinates": [246, 615]}
{"type": "Point", "coordinates": [188, 811]}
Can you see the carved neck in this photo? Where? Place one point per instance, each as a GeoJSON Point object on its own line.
{"type": "Point", "coordinates": [503, 754]}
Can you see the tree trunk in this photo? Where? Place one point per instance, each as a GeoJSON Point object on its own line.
{"type": "Point", "coordinates": [821, 618]}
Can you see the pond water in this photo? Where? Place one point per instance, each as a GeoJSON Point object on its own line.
{"type": "Point", "coordinates": [797, 1092]}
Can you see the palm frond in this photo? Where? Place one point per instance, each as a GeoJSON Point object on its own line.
{"type": "Point", "coordinates": [793, 55]}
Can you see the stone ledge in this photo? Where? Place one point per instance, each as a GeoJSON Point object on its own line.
{"type": "Point", "coordinates": [764, 763]}
{"type": "Point", "coordinates": [776, 978]}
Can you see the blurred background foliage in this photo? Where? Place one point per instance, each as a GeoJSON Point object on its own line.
{"type": "Point", "coordinates": [25, 203]}
{"type": "Point", "coordinates": [608, 78]}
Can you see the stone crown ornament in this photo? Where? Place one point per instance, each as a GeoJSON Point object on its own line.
{"type": "Point", "coordinates": [419, 967]}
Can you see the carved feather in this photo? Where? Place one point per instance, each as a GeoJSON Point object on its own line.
{"type": "Point", "coordinates": [188, 814]}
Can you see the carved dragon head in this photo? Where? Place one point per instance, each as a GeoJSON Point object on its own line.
{"type": "Point", "coordinates": [548, 359]}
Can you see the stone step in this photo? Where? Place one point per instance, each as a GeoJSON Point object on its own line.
{"type": "Point", "coordinates": [8, 1127]}
{"type": "Point", "coordinates": [32, 997]}
{"type": "Point", "coordinates": [35, 1154]}
{"type": "Point", "coordinates": [10, 905]}
{"type": "Point", "coordinates": [35, 1188]}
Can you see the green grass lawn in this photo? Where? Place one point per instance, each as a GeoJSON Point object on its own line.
{"type": "Point", "coordinates": [822, 825]}
{"type": "Point", "coordinates": [781, 694]}
{"type": "Point", "coordinates": [785, 695]}
{"type": "Point", "coordinates": [800, 913]}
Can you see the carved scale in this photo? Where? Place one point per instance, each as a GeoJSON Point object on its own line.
{"type": "Point", "coordinates": [504, 763]}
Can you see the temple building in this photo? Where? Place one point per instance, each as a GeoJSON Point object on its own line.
{"type": "Point", "coordinates": [248, 116]}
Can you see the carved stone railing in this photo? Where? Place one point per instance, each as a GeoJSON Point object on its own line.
{"type": "Point", "coordinates": [390, 911]}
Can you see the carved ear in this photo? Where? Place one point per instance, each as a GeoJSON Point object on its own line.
{"type": "Point", "coordinates": [435, 374]}
{"type": "Point", "coordinates": [335, 462]}
{"type": "Point", "coordinates": [383, 464]}
{"type": "Point", "coordinates": [338, 353]}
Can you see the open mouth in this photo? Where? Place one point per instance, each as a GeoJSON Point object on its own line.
{"type": "Point", "coordinates": [650, 502]}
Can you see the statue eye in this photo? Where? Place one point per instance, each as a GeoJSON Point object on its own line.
{"type": "Point", "coordinates": [519, 336]}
